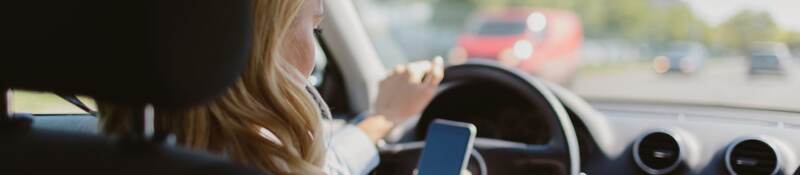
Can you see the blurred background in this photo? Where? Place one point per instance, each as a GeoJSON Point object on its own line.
{"type": "Point", "coordinates": [739, 53]}
{"type": "Point", "coordinates": [716, 52]}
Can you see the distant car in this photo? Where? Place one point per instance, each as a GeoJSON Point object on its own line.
{"type": "Point", "coordinates": [683, 57]}
{"type": "Point", "coordinates": [542, 42]}
{"type": "Point", "coordinates": [768, 58]}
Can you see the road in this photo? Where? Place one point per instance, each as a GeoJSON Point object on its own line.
{"type": "Point", "coordinates": [720, 82]}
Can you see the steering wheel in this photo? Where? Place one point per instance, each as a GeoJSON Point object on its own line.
{"type": "Point", "coordinates": [559, 154]}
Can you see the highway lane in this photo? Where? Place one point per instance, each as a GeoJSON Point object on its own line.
{"type": "Point", "coordinates": [720, 82]}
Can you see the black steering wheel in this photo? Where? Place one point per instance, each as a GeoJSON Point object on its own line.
{"type": "Point", "coordinates": [556, 154]}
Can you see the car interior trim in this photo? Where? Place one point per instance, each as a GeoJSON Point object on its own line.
{"type": "Point", "coordinates": [671, 167]}
{"type": "Point", "coordinates": [764, 139]}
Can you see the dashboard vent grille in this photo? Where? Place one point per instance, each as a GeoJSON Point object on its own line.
{"type": "Point", "coordinates": [752, 156]}
{"type": "Point", "coordinates": [657, 153]}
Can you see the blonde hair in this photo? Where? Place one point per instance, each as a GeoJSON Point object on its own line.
{"type": "Point", "coordinates": [265, 97]}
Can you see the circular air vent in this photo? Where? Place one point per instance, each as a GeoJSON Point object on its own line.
{"type": "Point", "coordinates": [752, 156]}
{"type": "Point", "coordinates": [658, 152]}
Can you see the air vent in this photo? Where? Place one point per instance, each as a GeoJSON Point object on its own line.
{"type": "Point", "coordinates": [752, 156]}
{"type": "Point", "coordinates": [658, 152]}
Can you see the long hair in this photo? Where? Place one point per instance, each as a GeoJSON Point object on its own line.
{"type": "Point", "coordinates": [264, 97]}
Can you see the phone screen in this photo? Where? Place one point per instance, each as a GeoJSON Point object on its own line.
{"type": "Point", "coordinates": [448, 145]}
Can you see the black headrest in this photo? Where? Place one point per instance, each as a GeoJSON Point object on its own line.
{"type": "Point", "coordinates": [165, 52]}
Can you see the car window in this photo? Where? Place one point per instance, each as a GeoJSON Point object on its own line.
{"type": "Point", "coordinates": [765, 61]}
{"type": "Point", "coordinates": [676, 51]}
{"type": "Point", "coordinates": [501, 28]}
{"type": "Point", "coordinates": [46, 103]}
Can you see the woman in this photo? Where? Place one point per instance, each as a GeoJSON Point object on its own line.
{"type": "Point", "coordinates": [270, 120]}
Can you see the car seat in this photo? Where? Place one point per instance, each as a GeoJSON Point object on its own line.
{"type": "Point", "coordinates": [149, 53]}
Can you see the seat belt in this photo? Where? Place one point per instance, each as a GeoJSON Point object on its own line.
{"type": "Point", "coordinates": [78, 103]}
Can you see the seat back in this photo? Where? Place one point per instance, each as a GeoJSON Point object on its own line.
{"type": "Point", "coordinates": [168, 53]}
{"type": "Point", "coordinates": [46, 152]}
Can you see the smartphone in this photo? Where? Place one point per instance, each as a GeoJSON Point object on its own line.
{"type": "Point", "coordinates": [448, 146]}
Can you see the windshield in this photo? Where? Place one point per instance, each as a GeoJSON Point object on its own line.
{"type": "Point", "coordinates": [677, 51]}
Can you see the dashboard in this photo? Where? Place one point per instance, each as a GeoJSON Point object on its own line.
{"type": "Point", "coordinates": [625, 137]}
{"type": "Point", "coordinates": [521, 130]}
{"type": "Point", "coordinates": [662, 138]}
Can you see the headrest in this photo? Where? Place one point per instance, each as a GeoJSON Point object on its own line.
{"type": "Point", "coordinates": [166, 52]}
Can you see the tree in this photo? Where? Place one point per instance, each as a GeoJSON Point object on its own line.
{"type": "Point", "coordinates": [747, 27]}
{"type": "Point", "coordinates": [791, 38]}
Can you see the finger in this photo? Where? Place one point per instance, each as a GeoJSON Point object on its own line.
{"type": "Point", "coordinates": [427, 75]}
{"type": "Point", "coordinates": [434, 68]}
{"type": "Point", "coordinates": [406, 72]}
{"type": "Point", "coordinates": [418, 69]}
{"type": "Point", "coordinates": [400, 69]}
{"type": "Point", "coordinates": [437, 72]}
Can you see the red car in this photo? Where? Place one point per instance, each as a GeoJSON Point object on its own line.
{"type": "Point", "coordinates": [542, 42]}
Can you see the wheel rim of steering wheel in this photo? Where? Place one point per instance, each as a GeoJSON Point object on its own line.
{"type": "Point", "coordinates": [564, 141]}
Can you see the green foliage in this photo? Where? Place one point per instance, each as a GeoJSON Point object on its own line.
{"type": "Point", "coordinates": [746, 27]}
{"type": "Point", "coordinates": [452, 13]}
{"type": "Point", "coordinates": [791, 38]}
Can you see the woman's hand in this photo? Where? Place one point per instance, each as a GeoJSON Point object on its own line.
{"type": "Point", "coordinates": [403, 94]}
{"type": "Point", "coordinates": [408, 89]}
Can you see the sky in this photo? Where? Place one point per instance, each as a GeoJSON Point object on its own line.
{"type": "Point", "coordinates": [785, 12]}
